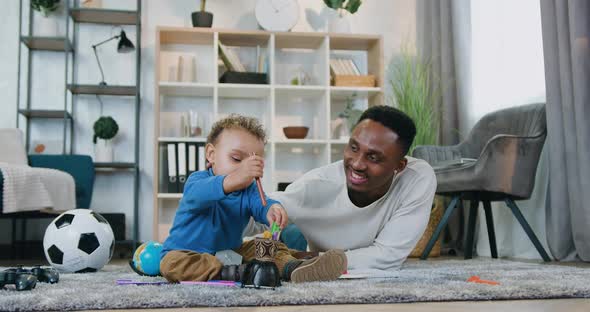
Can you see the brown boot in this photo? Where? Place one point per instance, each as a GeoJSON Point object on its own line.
{"type": "Point", "coordinates": [326, 267]}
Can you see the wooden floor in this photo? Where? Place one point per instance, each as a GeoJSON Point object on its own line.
{"type": "Point", "coordinates": [553, 305]}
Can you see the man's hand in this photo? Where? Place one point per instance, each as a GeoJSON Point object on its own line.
{"type": "Point", "coordinates": [249, 169]}
{"type": "Point", "coordinates": [276, 213]}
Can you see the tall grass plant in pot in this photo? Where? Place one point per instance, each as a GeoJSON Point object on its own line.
{"type": "Point", "coordinates": [411, 80]}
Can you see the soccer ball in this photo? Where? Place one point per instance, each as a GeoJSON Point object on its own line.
{"type": "Point", "coordinates": [79, 240]}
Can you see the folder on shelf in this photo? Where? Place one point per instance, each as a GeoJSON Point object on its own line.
{"type": "Point", "coordinates": [202, 165]}
{"type": "Point", "coordinates": [172, 173]}
{"type": "Point", "coordinates": [181, 166]}
{"type": "Point", "coordinates": [192, 158]}
{"type": "Point", "coordinates": [163, 169]}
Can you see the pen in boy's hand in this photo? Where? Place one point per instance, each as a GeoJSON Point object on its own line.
{"type": "Point", "coordinates": [260, 191]}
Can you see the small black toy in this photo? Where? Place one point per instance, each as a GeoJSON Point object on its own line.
{"type": "Point", "coordinates": [43, 274]}
{"type": "Point", "coordinates": [261, 274]}
{"type": "Point", "coordinates": [21, 280]}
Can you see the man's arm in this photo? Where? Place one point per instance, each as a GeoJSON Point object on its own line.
{"type": "Point", "coordinates": [291, 199]}
{"type": "Point", "coordinates": [401, 233]}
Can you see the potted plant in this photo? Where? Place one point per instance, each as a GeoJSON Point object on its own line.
{"type": "Point", "coordinates": [338, 21]}
{"type": "Point", "coordinates": [411, 80]}
{"type": "Point", "coordinates": [44, 25]}
{"type": "Point", "coordinates": [105, 128]}
{"type": "Point", "coordinates": [202, 18]}
{"type": "Point", "coordinates": [347, 119]}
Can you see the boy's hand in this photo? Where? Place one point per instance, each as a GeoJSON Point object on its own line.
{"type": "Point", "coordinates": [249, 169]}
{"type": "Point", "coordinates": [276, 213]}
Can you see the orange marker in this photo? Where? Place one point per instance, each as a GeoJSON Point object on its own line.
{"type": "Point", "coordinates": [476, 279]}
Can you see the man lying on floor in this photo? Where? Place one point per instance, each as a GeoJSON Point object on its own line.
{"type": "Point", "coordinates": [375, 204]}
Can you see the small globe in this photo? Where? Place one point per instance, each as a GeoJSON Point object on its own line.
{"type": "Point", "coordinates": [146, 259]}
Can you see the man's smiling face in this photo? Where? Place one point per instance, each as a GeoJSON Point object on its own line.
{"type": "Point", "coordinates": [370, 159]}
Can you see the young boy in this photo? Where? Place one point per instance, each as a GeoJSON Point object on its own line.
{"type": "Point", "coordinates": [216, 206]}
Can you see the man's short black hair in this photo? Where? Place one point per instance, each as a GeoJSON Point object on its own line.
{"type": "Point", "coordinates": [394, 119]}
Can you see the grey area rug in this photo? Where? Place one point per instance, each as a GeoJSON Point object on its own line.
{"type": "Point", "coordinates": [418, 281]}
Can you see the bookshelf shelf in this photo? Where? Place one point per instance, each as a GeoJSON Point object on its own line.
{"type": "Point", "coordinates": [181, 139]}
{"type": "Point", "coordinates": [169, 195]}
{"type": "Point", "coordinates": [186, 89]}
{"type": "Point", "coordinates": [104, 16]}
{"type": "Point", "coordinates": [276, 104]}
{"type": "Point", "coordinates": [234, 90]}
{"type": "Point", "coordinates": [341, 93]}
{"type": "Point", "coordinates": [47, 43]}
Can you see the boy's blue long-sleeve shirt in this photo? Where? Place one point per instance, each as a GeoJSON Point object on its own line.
{"type": "Point", "coordinates": [208, 220]}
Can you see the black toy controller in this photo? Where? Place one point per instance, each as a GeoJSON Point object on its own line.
{"type": "Point", "coordinates": [22, 281]}
{"type": "Point", "coordinates": [261, 274]}
{"type": "Point", "coordinates": [44, 275]}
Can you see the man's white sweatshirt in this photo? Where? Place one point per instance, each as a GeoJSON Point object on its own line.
{"type": "Point", "coordinates": [378, 236]}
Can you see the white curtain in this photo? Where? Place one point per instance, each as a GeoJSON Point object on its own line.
{"type": "Point", "coordinates": [508, 70]}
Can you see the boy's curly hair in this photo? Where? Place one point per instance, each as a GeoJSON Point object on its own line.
{"type": "Point", "coordinates": [235, 121]}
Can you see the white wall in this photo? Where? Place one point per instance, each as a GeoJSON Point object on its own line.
{"type": "Point", "coordinates": [394, 19]}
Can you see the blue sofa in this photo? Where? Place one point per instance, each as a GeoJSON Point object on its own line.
{"type": "Point", "coordinates": [80, 167]}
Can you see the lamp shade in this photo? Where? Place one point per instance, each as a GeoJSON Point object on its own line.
{"type": "Point", "coordinates": [125, 45]}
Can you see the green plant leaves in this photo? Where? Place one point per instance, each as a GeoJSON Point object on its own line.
{"type": "Point", "coordinates": [412, 91]}
{"type": "Point", "coordinates": [334, 4]}
{"type": "Point", "coordinates": [45, 6]}
{"type": "Point", "coordinates": [352, 6]}
{"type": "Point", "coordinates": [105, 128]}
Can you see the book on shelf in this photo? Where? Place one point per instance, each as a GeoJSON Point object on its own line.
{"type": "Point", "coordinates": [177, 67]}
{"type": "Point", "coordinates": [341, 67]}
{"type": "Point", "coordinates": [230, 58]}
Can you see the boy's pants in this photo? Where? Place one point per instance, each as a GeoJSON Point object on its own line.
{"type": "Point", "coordinates": [184, 265]}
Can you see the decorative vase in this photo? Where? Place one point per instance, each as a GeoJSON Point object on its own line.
{"type": "Point", "coordinates": [45, 26]}
{"type": "Point", "coordinates": [103, 151]}
{"type": "Point", "coordinates": [202, 19]}
{"type": "Point", "coordinates": [339, 23]}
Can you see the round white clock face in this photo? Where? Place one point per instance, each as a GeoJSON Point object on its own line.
{"type": "Point", "coordinates": [277, 15]}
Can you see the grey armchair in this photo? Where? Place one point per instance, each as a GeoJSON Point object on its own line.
{"type": "Point", "coordinates": [497, 162]}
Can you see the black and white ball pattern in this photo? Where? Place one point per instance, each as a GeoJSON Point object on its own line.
{"type": "Point", "coordinates": [79, 240]}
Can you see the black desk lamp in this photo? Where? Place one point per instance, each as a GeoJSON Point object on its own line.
{"type": "Point", "coordinates": [125, 46]}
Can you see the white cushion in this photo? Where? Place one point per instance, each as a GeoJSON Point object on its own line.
{"type": "Point", "coordinates": [12, 147]}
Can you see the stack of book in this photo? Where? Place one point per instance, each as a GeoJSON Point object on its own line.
{"type": "Point", "coordinates": [344, 72]}
{"type": "Point", "coordinates": [341, 67]}
{"type": "Point", "coordinates": [236, 71]}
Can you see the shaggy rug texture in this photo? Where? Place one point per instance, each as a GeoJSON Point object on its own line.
{"type": "Point", "coordinates": [444, 280]}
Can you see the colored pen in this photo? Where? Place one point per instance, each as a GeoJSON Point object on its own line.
{"type": "Point", "coordinates": [260, 191]}
{"type": "Point", "coordinates": [212, 283]}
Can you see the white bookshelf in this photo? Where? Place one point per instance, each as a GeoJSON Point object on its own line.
{"type": "Point", "coordinates": [276, 105]}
